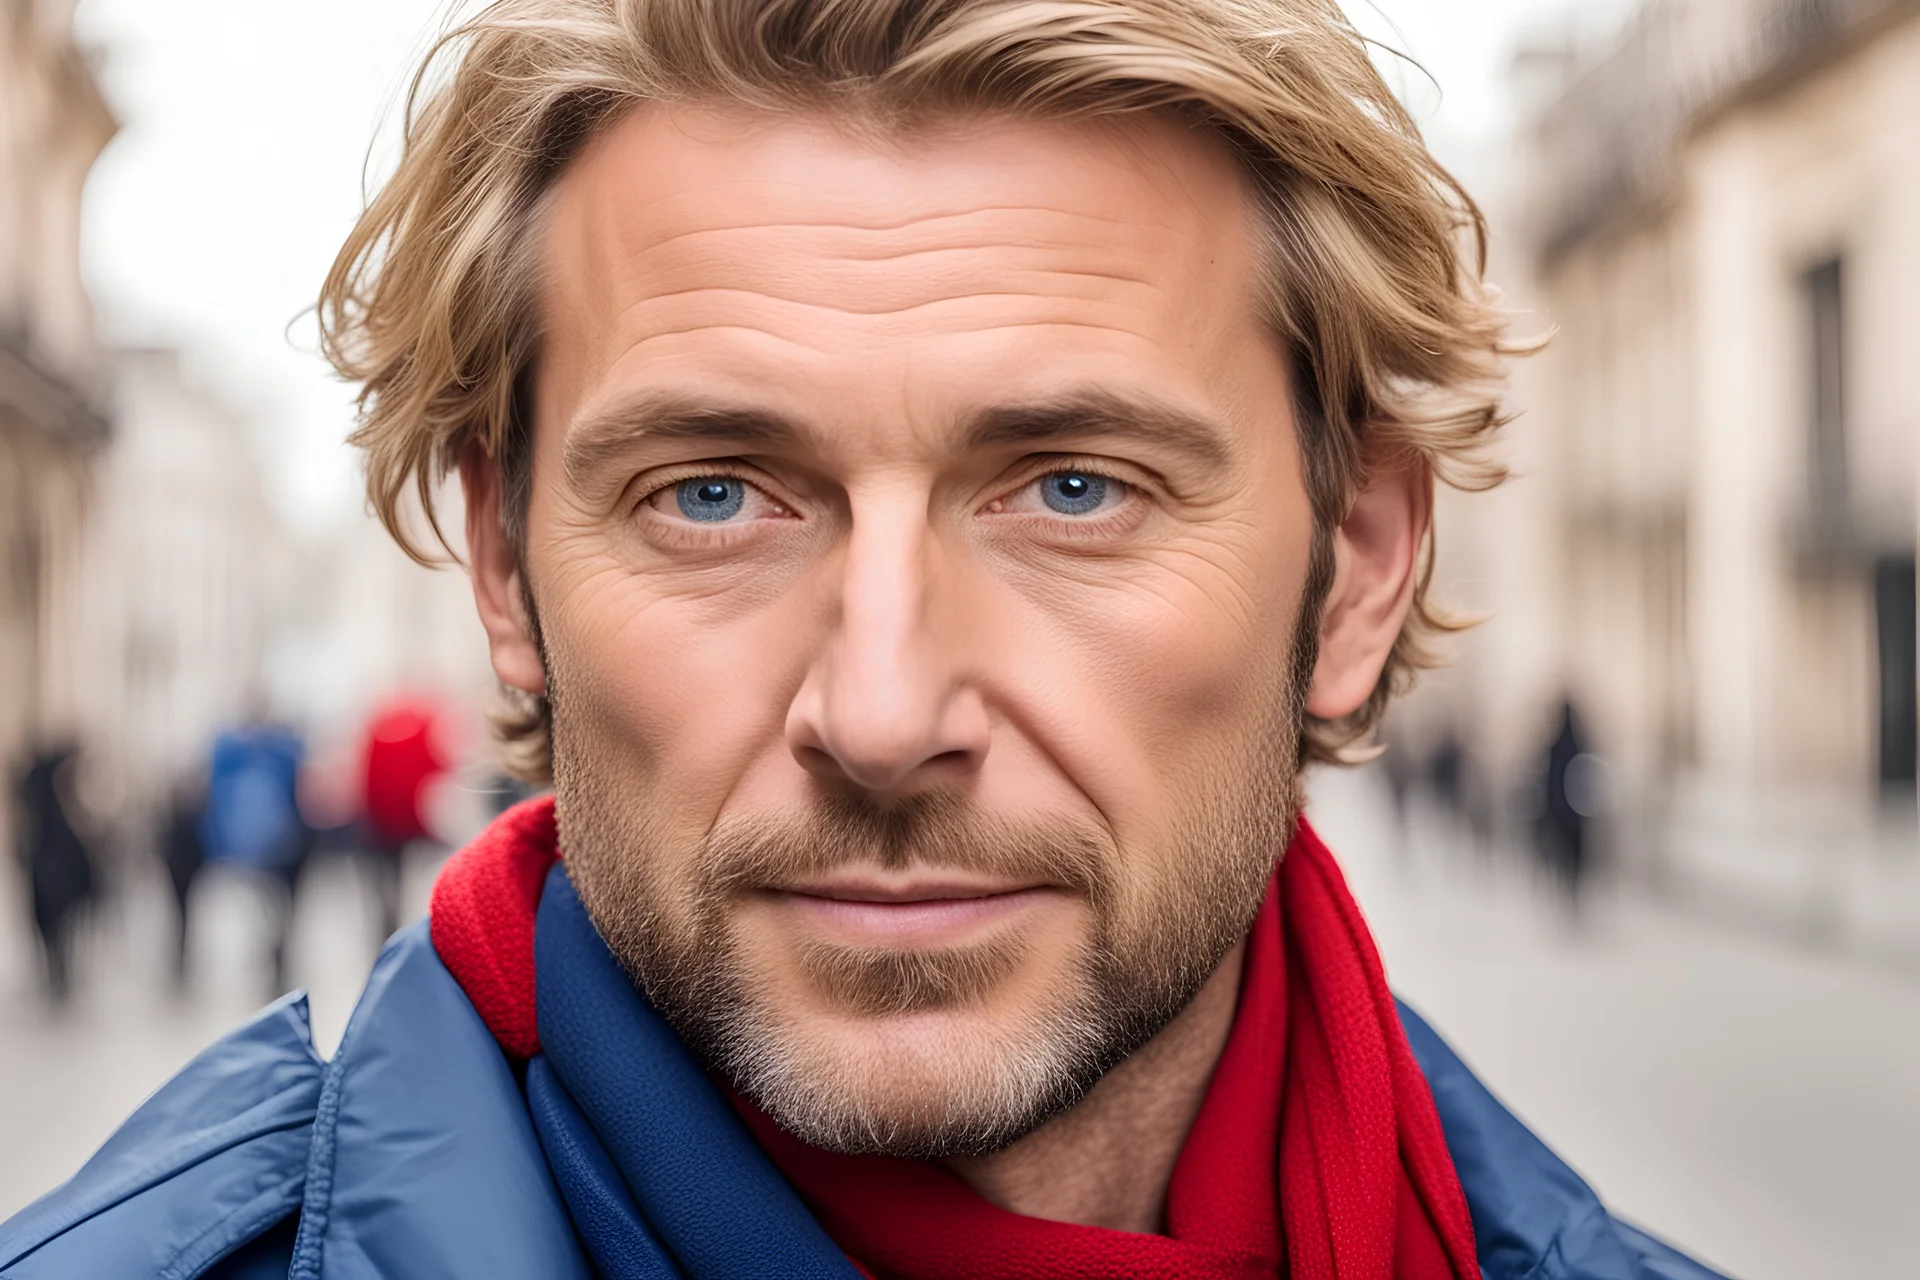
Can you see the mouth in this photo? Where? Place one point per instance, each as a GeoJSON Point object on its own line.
{"type": "Point", "coordinates": [921, 912]}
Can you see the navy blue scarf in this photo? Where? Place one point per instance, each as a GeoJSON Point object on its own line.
{"type": "Point", "coordinates": [661, 1178]}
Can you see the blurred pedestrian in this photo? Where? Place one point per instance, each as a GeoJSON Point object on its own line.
{"type": "Point", "coordinates": [404, 756]}
{"type": "Point", "coordinates": [1401, 769]}
{"type": "Point", "coordinates": [59, 866]}
{"type": "Point", "coordinates": [1563, 835]}
{"type": "Point", "coordinates": [183, 854]}
{"type": "Point", "coordinates": [1446, 772]}
{"type": "Point", "coordinates": [252, 819]}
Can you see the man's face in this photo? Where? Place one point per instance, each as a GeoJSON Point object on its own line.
{"type": "Point", "coordinates": [919, 540]}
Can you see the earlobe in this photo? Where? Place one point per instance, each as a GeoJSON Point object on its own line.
{"type": "Point", "coordinates": [494, 566]}
{"type": "Point", "coordinates": [1376, 554]}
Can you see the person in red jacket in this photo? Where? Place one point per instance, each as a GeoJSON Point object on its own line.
{"type": "Point", "coordinates": [404, 756]}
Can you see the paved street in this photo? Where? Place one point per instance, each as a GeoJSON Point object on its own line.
{"type": "Point", "coordinates": [1757, 1104]}
{"type": "Point", "coordinates": [1760, 1105]}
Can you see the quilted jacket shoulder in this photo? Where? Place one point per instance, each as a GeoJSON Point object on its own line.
{"type": "Point", "coordinates": [413, 1154]}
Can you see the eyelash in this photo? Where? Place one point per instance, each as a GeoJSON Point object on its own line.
{"type": "Point", "coordinates": [1087, 528]}
{"type": "Point", "coordinates": [704, 535]}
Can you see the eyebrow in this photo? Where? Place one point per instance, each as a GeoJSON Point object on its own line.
{"type": "Point", "coordinates": [599, 439]}
{"type": "Point", "coordinates": [1101, 413]}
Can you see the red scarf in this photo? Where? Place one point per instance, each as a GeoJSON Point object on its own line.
{"type": "Point", "coordinates": [1316, 1069]}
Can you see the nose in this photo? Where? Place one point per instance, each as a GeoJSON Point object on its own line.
{"type": "Point", "coordinates": [888, 704]}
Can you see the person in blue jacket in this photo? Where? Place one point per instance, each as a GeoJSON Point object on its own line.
{"type": "Point", "coordinates": [934, 472]}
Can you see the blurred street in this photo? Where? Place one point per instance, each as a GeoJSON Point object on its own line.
{"type": "Point", "coordinates": [1755, 1102]}
{"type": "Point", "coordinates": [68, 1076]}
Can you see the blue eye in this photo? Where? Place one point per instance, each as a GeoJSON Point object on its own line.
{"type": "Point", "coordinates": [711, 499]}
{"type": "Point", "coordinates": [1073, 493]}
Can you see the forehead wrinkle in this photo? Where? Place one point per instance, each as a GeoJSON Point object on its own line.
{"type": "Point", "coordinates": [1062, 273]}
{"type": "Point", "coordinates": [1047, 270]}
{"type": "Point", "coordinates": [1001, 223]}
{"type": "Point", "coordinates": [927, 275]}
{"type": "Point", "coordinates": [898, 309]}
{"type": "Point", "coordinates": [988, 246]}
{"type": "Point", "coordinates": [758, 332]}
{"type": "Point", "coordinates": [845, 284]}
{"type": "Point", "coordinates": [1123, 331]}
{"type": "Point", "coordinates": [926, 220]}
{"type": "Point", "coordinates": [667, 273]}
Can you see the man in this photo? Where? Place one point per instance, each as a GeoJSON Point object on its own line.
{"type": "Point", "coordinates": [58, 864]}
{"type": "Point", "coordinates": [935, 470]}
{"type": "Point", "coordinates": [251, 822]}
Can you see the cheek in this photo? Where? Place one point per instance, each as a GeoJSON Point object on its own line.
{"type": "Point", "coordinates": [1196, 677]}
{"type": "Point", "coordinates": [676, 696]}
{"type": "Point", "coordinates": [1165, 684]}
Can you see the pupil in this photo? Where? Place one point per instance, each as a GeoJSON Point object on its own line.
{"type": "Point", "coordinates": [711, 499]}
{"type": "Point", "coordinates": [1074, 493]}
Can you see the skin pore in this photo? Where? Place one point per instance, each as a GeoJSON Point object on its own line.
{"type": "Point", "coordinates": [956, 468]}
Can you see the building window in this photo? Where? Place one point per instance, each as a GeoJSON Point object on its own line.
{"type": "Point", "coordinates": [1893, 599]}
{"type": "Point", "coordinates": [1824, 288]}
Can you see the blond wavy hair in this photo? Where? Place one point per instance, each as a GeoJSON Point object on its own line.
{"type": "Point", "coordinates": [1375, 253]}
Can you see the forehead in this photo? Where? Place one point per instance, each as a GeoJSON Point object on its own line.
{"type": "Point", "coordinates": [694, 249]}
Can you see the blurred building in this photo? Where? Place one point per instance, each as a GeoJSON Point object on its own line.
{"type": "Point", "coordinates": [53, 124]}
{"type": "Point", "coordinates": [1721, 216]}
{"type": "Point", "coordinates": [183, 578]}
{"type": "Point", "coordinates": [368, 622]}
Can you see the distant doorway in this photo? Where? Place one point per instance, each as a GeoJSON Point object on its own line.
{"type": "Point", "coordinates": [1893, 605]}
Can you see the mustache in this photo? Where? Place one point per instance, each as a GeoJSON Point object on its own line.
{"type": "Point", "coordinates": [935, 830]}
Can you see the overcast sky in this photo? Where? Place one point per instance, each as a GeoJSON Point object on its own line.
{"type": "Point", "coordinates": [245, 126]}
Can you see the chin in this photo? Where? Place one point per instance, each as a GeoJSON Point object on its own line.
{"type": "Point", "coordinates": [919, 1085]}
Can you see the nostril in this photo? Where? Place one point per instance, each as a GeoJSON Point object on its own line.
{"type": "Point", "coordinates": [816, 759]}
{"type": "Point", "coordinates": [877, 771]}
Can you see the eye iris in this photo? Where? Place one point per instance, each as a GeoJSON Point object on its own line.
{"type": "Point", "coordinates": [711, 498]}
{"type": "Point", "coordinates": [1073, 493]}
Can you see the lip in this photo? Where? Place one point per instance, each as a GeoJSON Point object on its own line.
{"type": "Point", "coordinates": [925, 888]}
{"type": "Point", "coordinates": [917, 913]}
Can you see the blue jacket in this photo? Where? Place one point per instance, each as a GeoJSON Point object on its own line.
{"type": "Point", "coordinates": [413, 1154]}
{"type": "Point", "coordinates": [252, 815]}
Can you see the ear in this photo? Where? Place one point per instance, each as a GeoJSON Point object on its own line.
{"type": "Point", "coordinates": [1376, 559]}
{"type": "Point", "coordinates": [495, 569]}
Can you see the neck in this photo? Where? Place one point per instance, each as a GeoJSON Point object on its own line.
{"type": "Point", "coordinates": [1106, 1161]}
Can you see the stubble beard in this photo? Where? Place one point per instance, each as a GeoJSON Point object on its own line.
{"type": "Point", "coordinates": [977, 1087]}
{"type": "Point", "coordinates": [901, 1067]}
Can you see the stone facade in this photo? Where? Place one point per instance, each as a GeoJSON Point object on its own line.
{"type": "Point", "coordinates": [1713, 548]}
{"type": "Point", "coordinates": [53, 124]}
